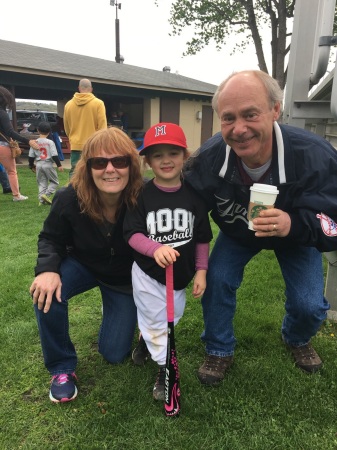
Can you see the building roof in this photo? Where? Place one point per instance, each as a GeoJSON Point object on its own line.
{"type": "Point", "coordinates": [33, 60]}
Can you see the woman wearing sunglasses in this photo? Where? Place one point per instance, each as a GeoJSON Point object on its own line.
{"type": "Point", "coordinates": [80, 247]}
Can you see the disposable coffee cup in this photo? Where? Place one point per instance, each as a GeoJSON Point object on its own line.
{"type": "Point", "coordinates": [262, 196]}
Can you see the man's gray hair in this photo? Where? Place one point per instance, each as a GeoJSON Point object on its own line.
{"type": "Point", "coordinates": [274, 92]}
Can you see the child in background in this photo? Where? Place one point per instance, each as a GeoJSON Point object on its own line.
{"type": "Point", "coordinates": [170, 225]}
{"type": "Point", "coordinates": [55, 137]}
{"type": "Point", "coordinates": [46, 175]}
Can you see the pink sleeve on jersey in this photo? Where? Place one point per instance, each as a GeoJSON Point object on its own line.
{"type": "Point", "coordinates": [143, 245]}
{"type": "Point", "coordinates": [147, 247]}
{"type": "Point", "coordinates": [201, 255]}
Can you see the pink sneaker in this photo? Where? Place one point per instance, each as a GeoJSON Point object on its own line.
{"type": "Point", "coordinates": [63, 388]}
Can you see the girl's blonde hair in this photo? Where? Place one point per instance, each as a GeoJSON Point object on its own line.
{"type": "Point", "coordinates": [114, 142]}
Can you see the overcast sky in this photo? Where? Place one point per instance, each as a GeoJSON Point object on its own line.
{"type": "Point", "coordinates": [87, 27]}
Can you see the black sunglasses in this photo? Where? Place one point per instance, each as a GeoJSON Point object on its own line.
{"type": "Point", "coordinates": [119, 162]}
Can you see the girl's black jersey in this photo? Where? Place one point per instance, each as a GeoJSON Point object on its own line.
{"type": "Point", "coordinates": [178, 219]}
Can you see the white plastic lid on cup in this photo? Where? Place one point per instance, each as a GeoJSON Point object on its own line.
{"type": "Point", "coordinates": [264, 188]}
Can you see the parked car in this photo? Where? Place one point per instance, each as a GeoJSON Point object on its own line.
{"type": "Point", "coordinates": [34, 118]}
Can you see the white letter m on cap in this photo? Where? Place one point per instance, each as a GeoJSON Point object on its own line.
{"type": "Point", "coordinates": [160, 130]}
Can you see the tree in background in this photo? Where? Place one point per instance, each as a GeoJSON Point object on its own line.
{"type": "Point", "coordinates": [219, 19]}
{"type": "Point", "coordinates": [36, 105]}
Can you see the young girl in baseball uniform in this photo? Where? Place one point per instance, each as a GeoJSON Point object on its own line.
{"type": "Point", "coordinates": [169, 225]}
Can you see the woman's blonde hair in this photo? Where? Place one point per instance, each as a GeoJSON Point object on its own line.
{"type": "Point", "coordinates": [114, 142]}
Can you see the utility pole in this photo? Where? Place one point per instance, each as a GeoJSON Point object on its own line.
{"type": "Point", "coordinates": [118, 58]}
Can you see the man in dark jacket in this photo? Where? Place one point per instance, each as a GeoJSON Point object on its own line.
{"type": "Point", "coordinates": [253, 148]}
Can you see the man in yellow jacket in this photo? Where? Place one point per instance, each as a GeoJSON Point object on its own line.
{"type": "Point", "coordinates": [83, 115]}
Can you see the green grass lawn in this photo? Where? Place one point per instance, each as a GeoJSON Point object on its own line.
{"type": "Point", "coordinates": [264, 402]}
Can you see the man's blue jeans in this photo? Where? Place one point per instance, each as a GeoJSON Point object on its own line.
{"type": "Point", "coordinates": [305, 304]}
{"type": "Point", "coordinates": [117, 328]}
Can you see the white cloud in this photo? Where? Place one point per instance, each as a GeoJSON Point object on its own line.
{"type": "Point", "coordinates": [87, 27]}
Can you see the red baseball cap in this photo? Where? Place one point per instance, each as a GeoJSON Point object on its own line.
{"type": "Point", "coordinates": [164, 133]}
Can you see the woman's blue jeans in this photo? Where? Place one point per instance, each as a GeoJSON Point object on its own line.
{"type": "Point", "coordinates": [117, 328]}
{"type": "Point", "coordinates": [305, 304]}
